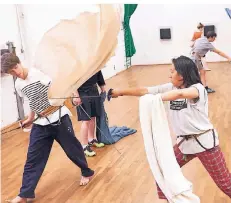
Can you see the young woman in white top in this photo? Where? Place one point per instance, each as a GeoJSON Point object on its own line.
{"type": "Point", "coordinates": [188, 114]}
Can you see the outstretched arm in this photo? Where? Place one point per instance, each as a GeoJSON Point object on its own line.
{"type": "Point", "coordinates": [187, 93]}
{"type": "Point", "coordinates": [222, 54]}
{"type": "Point", "coordinates": [139, 91]}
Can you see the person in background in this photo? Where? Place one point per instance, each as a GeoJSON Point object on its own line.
{"type": "Point", "coordinates": [87, 99]}
{"type": "Point", "coordinates": [196, 35]}
{"type": "Point", "coordinates": [34, 85]}
{"type": "Point", "coordinates": [200, 48]}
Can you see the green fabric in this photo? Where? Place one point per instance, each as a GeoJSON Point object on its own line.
{"type": "Point", "coordinates": [130, 49]}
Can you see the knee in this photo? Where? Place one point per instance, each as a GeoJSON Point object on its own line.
{"type": "Point", "coordinates": [86, 123]}
{"type": "Point", "coordinates": [202, 72]}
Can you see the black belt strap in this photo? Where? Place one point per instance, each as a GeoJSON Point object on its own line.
{"type": "Point", "coordinates": [59, 121]}
{"type": "Point", "coordinates": [214, 141]}
{"type": "Point", "coordinates": [187, 137]}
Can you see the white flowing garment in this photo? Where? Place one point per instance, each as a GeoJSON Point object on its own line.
{"type": "Point", "coordinates": [75, 49]}
{"type": "Point", "coordinates": [160, 154]}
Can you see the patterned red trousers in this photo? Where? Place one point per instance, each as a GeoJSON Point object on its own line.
{"type": "Point", "coordinates": [214, 162]}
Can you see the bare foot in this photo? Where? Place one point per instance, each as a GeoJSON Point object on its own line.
{"type": "Point", "coordinates": [85, 180]}
{"type": "Point", "coordinates": [17, 200]}
{"type": "Point", "coordinates": [21, 200]}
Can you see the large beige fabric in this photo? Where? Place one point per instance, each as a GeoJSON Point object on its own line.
{"type": "Point", "coordinates": [160, 154]}
{"type": "Point", "coordinates": [73, 50]}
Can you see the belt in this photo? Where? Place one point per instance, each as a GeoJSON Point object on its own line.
{"type": "Point", "coordinates": [195, 136]}
{"type": "Point", "coordinates": [196, 55]}
{"type": "Point", "coordinates": [50, 110]}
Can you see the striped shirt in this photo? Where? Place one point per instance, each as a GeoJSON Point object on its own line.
{"type": "Point", "coordinates": [35, 88]}
{"type": "Point", "coordinates": [37, 94]}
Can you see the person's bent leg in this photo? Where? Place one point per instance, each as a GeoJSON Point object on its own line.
{"type": "Point", "coordinates": [204, 81]}
{"type": "Point", "coordinates": [214, 162]}
{"type": "Point", "coordinates": [203, 77]}
{"type": "Point", "coordinates": [37, 156]}
{"type": "Point", "coordinates": [205, 65]}
{"type": "Point", "coordinates": [38, 153]}
{"type": "Point", "coordinates": [66, 138]}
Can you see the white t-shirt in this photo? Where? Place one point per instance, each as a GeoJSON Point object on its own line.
{"type": "Point", "coordinates": [35, 88]}
{"type": "Point", "coordinates": [188, 117]}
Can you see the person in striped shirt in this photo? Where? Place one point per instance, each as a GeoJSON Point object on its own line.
{"type": "Point", "coordinates": [34, 85]}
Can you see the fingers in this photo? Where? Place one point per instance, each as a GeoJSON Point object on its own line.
{"type": "Point", "coordinates": [20, 124]}
{"type": "Point", "coordinates": [77, 102]}
{"type": "Point", "coordinates": [24, 125]}
{"type": "Point", "coordinates": [114, 94]}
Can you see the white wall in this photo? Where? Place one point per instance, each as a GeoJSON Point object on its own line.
{"type": "Point", "coordinates": [9, 32]}
{"type": "Point", "coordinates": [182, 19]}
{"type": "Point", "coordinates": [117, 63]}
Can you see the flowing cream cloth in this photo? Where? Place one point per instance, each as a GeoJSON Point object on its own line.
{"type": "Point", "coordinates": [75, 49]}
{"type": "Point", "coordinates": [160, 154]}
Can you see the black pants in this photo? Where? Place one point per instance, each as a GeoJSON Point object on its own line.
{"type": "Point", "coordinates": [41, 141]}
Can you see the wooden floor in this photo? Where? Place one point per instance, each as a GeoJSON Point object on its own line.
{"type": "Point", "coordinates": [125, 177]}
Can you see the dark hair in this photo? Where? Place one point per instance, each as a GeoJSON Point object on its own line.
{"type": "Point", "coordinates": [211, 34]}
{"type": "Point", "coordinates": [188, 70]}
{"type": "Point", "coordinates": [8, 61]}
{"type": "Point", "coordinates": [200, 25]}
